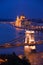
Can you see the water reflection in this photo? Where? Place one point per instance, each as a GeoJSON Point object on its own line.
{"type": "Point", "coordinates": [8, 33]}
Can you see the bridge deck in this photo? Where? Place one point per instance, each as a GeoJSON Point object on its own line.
{"type": "Point", "coordinates": [36, 58]}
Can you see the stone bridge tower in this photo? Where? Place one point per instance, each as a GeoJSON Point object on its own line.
{"type": "Point", "coordinates": [29, 39]}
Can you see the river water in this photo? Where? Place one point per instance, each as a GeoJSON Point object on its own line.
{"type": "Point", "coordinates": [9, 33]}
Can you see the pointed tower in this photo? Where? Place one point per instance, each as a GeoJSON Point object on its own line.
{"type": "Point", "coordinates": [18, 22]}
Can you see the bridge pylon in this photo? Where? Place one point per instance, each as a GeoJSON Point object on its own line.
{"type": "Point", "coordinates": [29, 39]}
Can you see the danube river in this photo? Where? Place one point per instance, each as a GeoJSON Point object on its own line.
{"type": "Point", "coordinates": [9, 33]}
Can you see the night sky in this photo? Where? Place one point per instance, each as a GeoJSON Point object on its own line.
{"type": "Point", "coordinates": [12, 8]}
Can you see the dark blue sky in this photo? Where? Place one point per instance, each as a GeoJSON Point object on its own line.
{"type": "Point", "coordinates": [12, 8]}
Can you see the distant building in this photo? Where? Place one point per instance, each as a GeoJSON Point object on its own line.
{"type": "Point", "coordinates": [19, 20]}
{"type": "Point", "coordinates": [22, 21]}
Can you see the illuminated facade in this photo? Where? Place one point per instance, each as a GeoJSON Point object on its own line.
{"type": "Point", "coordinates": [18, 20]}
